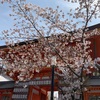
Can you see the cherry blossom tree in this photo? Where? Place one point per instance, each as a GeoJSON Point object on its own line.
{"type": "Point", "coordinates": [49, 32]}
{"type": "Point", "coordinates": [3, 1]}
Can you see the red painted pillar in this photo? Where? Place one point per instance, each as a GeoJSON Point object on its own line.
{"type": "Point", "coordinates": [0, 96]}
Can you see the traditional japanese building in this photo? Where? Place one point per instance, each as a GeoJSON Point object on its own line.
{"type": "Point", "coordinates": [40, 84]}
{"type": "Point", "coordinates": [92, 88]}
{"type": "Point", "coordinates": [6, 87]}
{"type": "Point", "coordinates": [36, 89]}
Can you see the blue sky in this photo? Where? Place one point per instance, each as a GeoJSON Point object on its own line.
{"type": "Point", "coordinates": [6, 21]}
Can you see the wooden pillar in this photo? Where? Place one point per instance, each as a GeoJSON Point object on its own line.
{"type": "Point", "coordinates": [0, 96]}
{"type": "Point", "coordinates": [32, 95]}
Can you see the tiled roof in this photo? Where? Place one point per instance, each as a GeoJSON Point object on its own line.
{"type": "Point", "coordinates": [5, 78]}
{"type": "Point", "coordinates": [93, 81]}
{"type": "Point", "coordinates": [36, 40]}
{"type": "Point", "coordinates": [6, 82]}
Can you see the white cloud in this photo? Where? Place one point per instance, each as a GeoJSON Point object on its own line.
{"type": "Point", "coordinates": [66, 4]}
